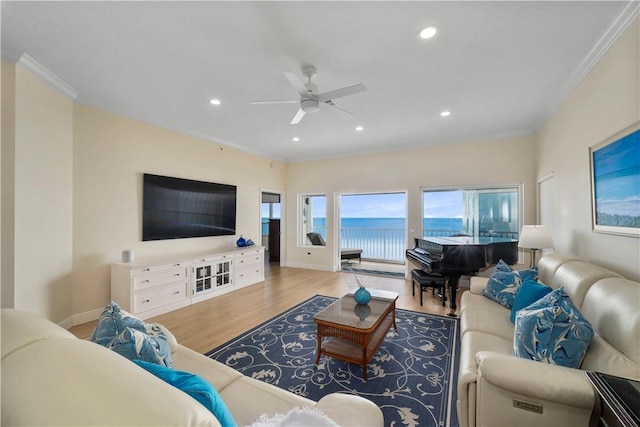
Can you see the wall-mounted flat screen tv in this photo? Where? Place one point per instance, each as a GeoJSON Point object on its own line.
{"type": "Point", "coordinates": [176, 208]}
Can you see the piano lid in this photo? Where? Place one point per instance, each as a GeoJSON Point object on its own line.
{"type": "Point", "coordinates": [467, 240]}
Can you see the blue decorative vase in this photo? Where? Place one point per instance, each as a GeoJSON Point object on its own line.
{"type": "Point", "coordinates": [362, 295]}
{"type": "Point", "coordinates": [241, 242]}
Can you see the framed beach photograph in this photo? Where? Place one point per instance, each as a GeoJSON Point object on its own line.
{"type": "Point", "coordinates": [615, 183]}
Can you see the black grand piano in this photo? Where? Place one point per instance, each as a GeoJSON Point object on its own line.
{"type": "Point", "coordinates": [458, 256]}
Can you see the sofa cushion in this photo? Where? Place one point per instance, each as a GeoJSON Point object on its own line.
{"type": "Point", "coordinates": [504, 283]}
{"type": "Point", "coordinates": [530, 291]}
{"type": "Point", "coordinates": [131, 337]}
{"type": "Point", "coordinates": [487, 316]}
{"type": "Point", "coordinates": [196, 387]}
{"type": "Point", "coordinates": [552, 330]}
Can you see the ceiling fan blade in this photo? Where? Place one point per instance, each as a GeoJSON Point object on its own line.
{"type": "Point", "coordinates": [331, 106]}
{"type": "Point", "coordinates": [276, 102]}
{"type": "Point", "coordinates": [296, 119]}
{"type": "Point", "coordinates": [297, 84]}
{"type": "Point", "coordinates": [349, 90]}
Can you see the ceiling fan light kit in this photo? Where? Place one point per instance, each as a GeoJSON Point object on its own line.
{"type": "Point", "coordinates": [310, 100]}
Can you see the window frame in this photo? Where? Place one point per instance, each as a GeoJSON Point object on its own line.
{"type": "Point", "coordinates": [480, 188]}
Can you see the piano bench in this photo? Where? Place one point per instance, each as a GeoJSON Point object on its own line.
{"type": "Point", "coordinates": [428, 280]}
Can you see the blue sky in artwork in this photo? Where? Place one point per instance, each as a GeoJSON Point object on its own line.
{"type": "Point", "coordinates": [617, 176]}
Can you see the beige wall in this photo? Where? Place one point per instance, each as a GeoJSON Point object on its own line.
{"type": "Point", "coordinates": [7, 162]}
{"type": "Point", "coordinates": [501, 161]}
{"type": "Point", "coordinates": [110, 155]}
{"type": "Point", "coordinates": [606, 101]}
{"type": "Point", "coordinates": [43, 198]}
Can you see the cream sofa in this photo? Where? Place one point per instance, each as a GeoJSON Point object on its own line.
{"type": "Point", "coordinates": [49, 377]}
{"type": "Point", "coordinates": [491, 381]}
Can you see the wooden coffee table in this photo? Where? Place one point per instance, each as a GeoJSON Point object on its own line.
{"type": "Point", "coordinates": [353, 332]}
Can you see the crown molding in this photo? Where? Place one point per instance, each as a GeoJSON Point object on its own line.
{"type": "Point", "coordinates": [618, 26]}
{"type": "Point", "coordinates": [30, 64]}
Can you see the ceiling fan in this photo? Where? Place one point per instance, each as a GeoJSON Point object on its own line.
{"type": "Point", "coordinates": [310, 100]}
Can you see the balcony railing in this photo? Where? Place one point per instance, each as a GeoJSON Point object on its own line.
{"type": "Point", "coordinates": [388, 244]}
{"type": "Point", "coordinates": [377, 244]}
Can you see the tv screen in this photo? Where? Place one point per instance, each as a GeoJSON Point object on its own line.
{"type": "Point", "coordinates": [176, 208]}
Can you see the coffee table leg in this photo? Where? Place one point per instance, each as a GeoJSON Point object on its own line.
{"type": "Point", "coordinates": [393, 313]}
{"type": "Point", "coordinates": [364, 363]}
{"type": "Point", "coordinates": [319, 346]}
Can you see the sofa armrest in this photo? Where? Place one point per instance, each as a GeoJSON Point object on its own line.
{"type": "Point", "coordinates": [477, 284]}
{"type": "Point", "coordinates": [349, 410]}
{"type": "Point", "coordinates": [566, 386]}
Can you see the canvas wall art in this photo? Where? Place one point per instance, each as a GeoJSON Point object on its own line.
{"type": "Point", "coordinates": [615, 183]}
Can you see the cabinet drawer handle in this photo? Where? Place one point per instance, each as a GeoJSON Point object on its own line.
{"type": "Point", "coordinates": [146, 300]}
{"type": "Point", "coordinates": [176, 293]}
{"type": "Point", "coordinates": [146, 269]}
{"type": "Point", "coordinates": [176, 275]}
{"type": "Point", "coordinates": [176, 265]}
{"type": "Point", "coordinates": [145, 281]}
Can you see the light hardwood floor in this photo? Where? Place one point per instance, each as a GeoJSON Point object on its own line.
{"type": "Point", "coordinates": [208, 324]}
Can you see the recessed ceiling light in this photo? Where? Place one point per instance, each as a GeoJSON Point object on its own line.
{"type": "Point", "coordinates": [295, 139]}
{"type": "Point", "coordinates": [427, 32]}
{"type": "Point", "coordinates": [445, 113]}
{"type": "Point", "coordinates": [214, 101]}
{"type": "Point", "coordinates": [359, 128]}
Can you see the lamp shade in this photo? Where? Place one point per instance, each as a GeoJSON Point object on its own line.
{"type": "Point", "coordinates": [535, 237]}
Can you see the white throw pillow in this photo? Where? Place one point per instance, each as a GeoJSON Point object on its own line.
{"type": "Point", "coordinates": [297, 417]}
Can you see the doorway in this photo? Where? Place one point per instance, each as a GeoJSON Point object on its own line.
{"type": "Point", "coordinates": [271, 224]}
{"type": "Point", "coordinates": [376, 224]}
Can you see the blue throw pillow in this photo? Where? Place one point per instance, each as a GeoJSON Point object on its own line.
{"type": "Point", "coordinates": [530, 292]}
{"type": "Point", "coordinates": [552, 330]}
{"type": "Point", "coordinates": [196, 387]}
{"type": "Point", "coordinates": [504, 283]}
{"type": "Point", "coordinates": [131, 337]}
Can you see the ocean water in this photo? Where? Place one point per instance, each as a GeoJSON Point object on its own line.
{"type": "Point", "coordinates": [441, 224]}
{"type": "Point", "coordinates": [382, 238]}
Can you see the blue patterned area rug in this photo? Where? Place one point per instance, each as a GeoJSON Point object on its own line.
{"type": "Point", "coordinates": [412, 377]}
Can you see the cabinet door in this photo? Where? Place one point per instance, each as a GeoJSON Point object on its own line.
{"type": "Point", "coordinates": [223, 273]}
{"type": "Point", "coordinates": [210, 274]}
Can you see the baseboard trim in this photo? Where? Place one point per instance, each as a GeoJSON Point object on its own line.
{"type": "Point", "coordinates": [81, 318]}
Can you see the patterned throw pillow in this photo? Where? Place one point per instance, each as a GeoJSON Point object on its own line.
{"type": "Point", "coordinates": [131, 337]}
{"type": "Point", "coordinates": [112, 322]}
{"type": "Point", "coordinates": [504, 283]}
{"type": "Point", "coordinates": [552, 330]}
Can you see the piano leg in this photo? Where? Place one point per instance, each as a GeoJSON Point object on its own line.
{"type": "Point", "coordinates": [452, 280]}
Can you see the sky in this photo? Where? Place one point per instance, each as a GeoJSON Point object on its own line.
{"type": "Point", "coordinates": [439, 204]}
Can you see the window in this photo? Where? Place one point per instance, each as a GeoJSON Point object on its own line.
{"type": "Point", "coordinates": [483, 212]}
{"type": "Point", "coordinates": [313, 210]}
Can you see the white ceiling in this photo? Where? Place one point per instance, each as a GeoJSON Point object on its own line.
{"type": "Point", "coordinates": [501, 68]}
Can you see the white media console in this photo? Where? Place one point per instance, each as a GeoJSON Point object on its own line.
{"type": "Point", "coordinates": [149, 287]}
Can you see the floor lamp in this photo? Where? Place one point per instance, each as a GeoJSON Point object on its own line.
{"type": "Point", "coordinates": [535, 237]}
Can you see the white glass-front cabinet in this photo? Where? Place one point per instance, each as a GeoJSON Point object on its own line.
{"type": "Point", "coordinates": [212, 275]}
